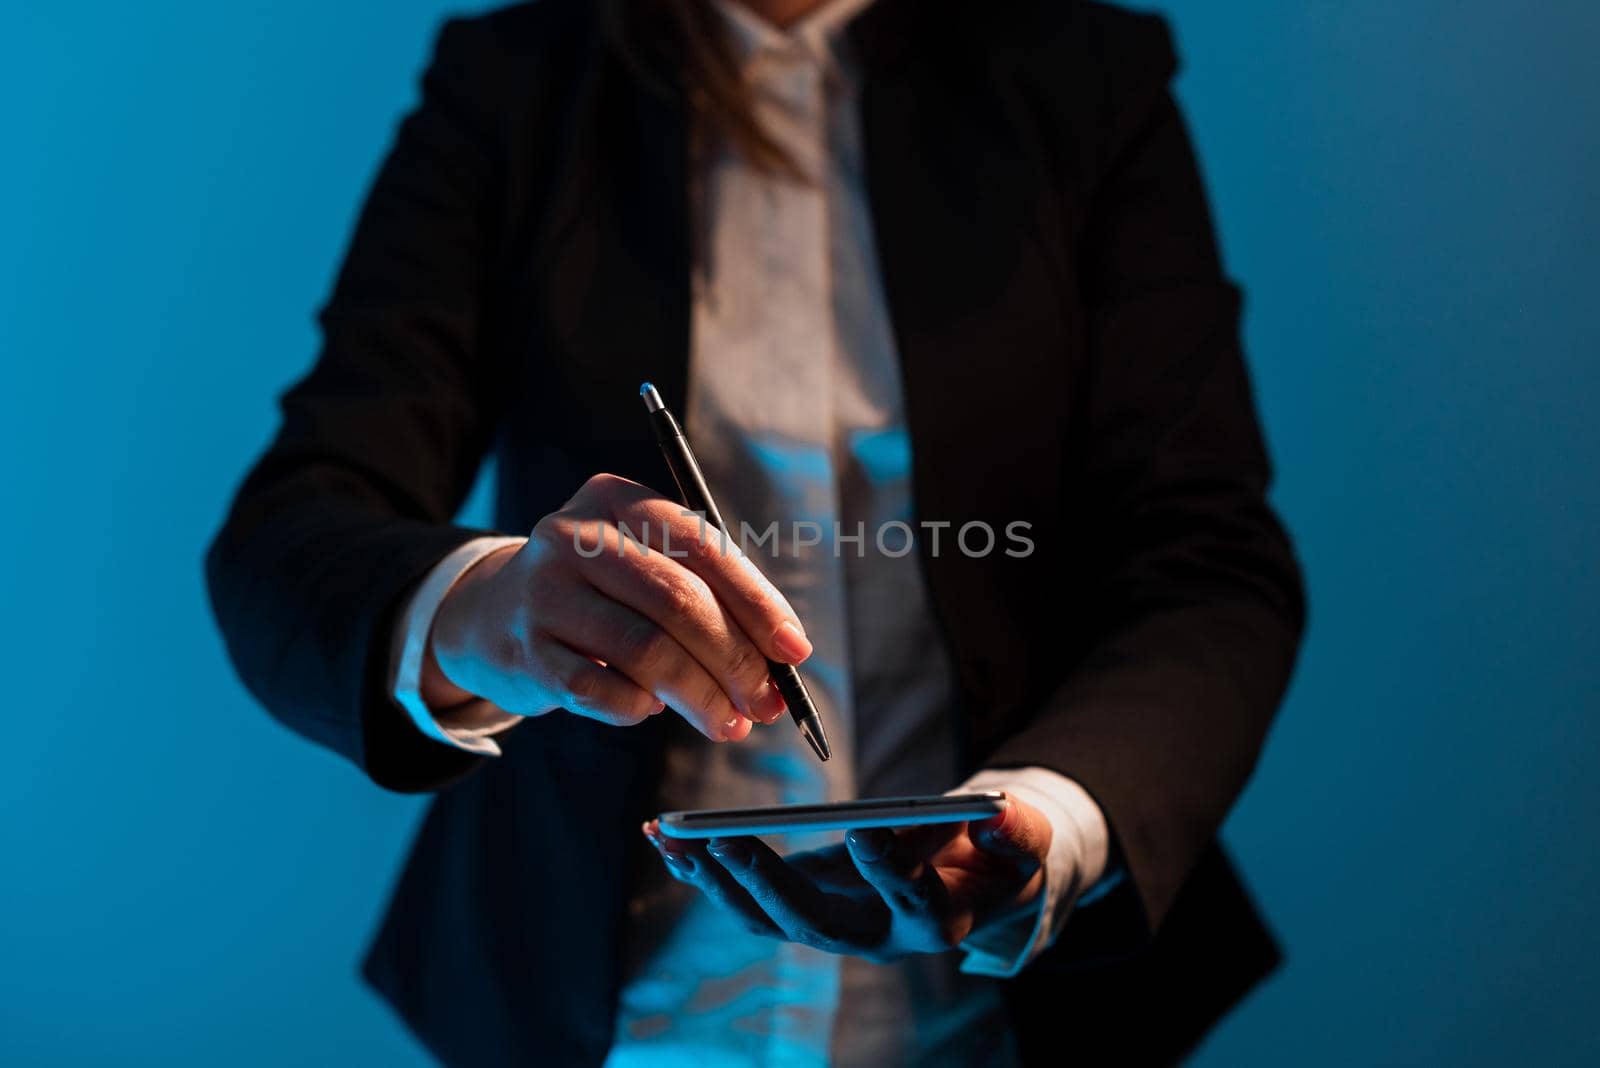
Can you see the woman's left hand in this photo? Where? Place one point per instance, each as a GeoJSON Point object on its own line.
{"type": "Point", "coordinates": [883, 894]}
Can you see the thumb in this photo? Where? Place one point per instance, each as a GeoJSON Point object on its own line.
{"type": "Point", "coordinates": [1020, 833]}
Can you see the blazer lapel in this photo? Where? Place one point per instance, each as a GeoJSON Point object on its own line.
{"type": "Point", "coordinates": [972, 269]}
{"type": "Point", "coordinates": [615, 274]}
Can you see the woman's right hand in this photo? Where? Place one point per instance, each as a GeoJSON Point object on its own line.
{"type": "Point", "coordinates": [684, 620]}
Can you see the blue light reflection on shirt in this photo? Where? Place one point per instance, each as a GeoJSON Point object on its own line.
{"type": "Point", "coordinates": [798, 471]}
{"type": "Point", "coordinates": [883, 455]}
{"type": "Point", "coordinates": [762, 1005]}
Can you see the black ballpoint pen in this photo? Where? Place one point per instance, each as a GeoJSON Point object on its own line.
{"type": "Point", "coordinates": [697, 498]}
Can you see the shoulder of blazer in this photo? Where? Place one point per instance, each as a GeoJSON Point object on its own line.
{"type": "Point", "coordinates": [1092, 73]}
{"type": "Point", "coordinates": [508, 52]}
{"type": "Point", "coordinates": [514, 75]}
{"type": "Point", "coordinates": [529, 29]}
{"type": "Point", "coordinates": [1100, 37]}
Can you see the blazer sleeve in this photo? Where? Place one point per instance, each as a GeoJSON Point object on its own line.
{"type": "Point", "coordinates": [1195, 600]}
{"type": "Point", "coordinates": [379, 443]}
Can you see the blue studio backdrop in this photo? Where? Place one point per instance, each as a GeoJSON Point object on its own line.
{"type": "Point", "coordinates": [1407, 191]}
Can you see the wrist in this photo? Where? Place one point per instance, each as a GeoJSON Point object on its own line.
{"type": "Point", "coordinates": [448, 631]}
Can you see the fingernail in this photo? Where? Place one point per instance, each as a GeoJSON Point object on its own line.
{"type": "Point", "coordinates": [730, 728]}
{"type": "Point", "coordinates": [791, 642]}
{"type": "Point", "coordinates": [869, 843]}
{"type": "Point", "coordinates": [727, 849]}
{"type": "Point", "coordinates": [680, 861]}
{"type": "Point", "coordinates": [768, 704]}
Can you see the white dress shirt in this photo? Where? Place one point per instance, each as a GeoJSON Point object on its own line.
{"type": "Point", "coordinates": [788, 304]}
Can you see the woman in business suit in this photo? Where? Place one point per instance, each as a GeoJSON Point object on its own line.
{"type": "Point", "coordinates": [912, 268]}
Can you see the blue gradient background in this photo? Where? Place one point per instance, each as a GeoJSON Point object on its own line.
{"type": "Point", "coordinates": [1408, 193]}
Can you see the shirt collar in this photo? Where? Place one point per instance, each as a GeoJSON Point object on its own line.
{"type": "Point", "coordinates": [818, 33]}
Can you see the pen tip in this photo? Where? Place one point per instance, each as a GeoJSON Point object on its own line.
{"type": "Point", "coordinates": [652, 399]}
{"type": "Point", "coordinates": [811, 727]}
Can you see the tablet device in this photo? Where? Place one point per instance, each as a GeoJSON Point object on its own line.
{"type": "Point", "coordinates": [835, 816]}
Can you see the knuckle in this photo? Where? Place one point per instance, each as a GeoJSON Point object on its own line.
{"type": "Point", "coordinates": [538, 660]}
{"type": "Point", "coordinates": [635, 713]}
{"type": "Point", "coordinates": [654, 583]}
{"type": "Point", "coordinates": [746, 663]}
{"type": "Point", "coordinates": [804, 936]}
{"type": "Point", "coordinates": [507, 652]}
{"type": "Point", "coordinates": [562, 532]}
{"type": "Point", "coordinates": [625, 510]}
{"type": "Point", "coordinates": [684, 594]}
{"type": "Point", "coordinates": [603, 484]}
{"type": "Point", "coordinates": [713, 550]}
{"type": "Point", "coordinates": [646, 644]}
{"type": "Point", "coordinates": [917, 895]}
{"type": "Point", "coordinates": [701, 543]}
{"type": "Point", "coordinates": [707, 696]}
{"type": "Point", "coordinates": [815, 939]}
{"type": "Point", "coordinates": [580, 683]}
{"type": "Point", "coordinates": [551, 528]}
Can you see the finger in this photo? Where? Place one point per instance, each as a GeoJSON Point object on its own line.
{"type": "Point", "coordinates": [687, 862]}
{"type": "Point", "coordinates": [908, 885]}
{"type": "Point", "coordinates": [1018, 833]}
{"type": "Point", "coordinates": [682, 603]}
{"type": "Point", "coordinates": [830, 870]}
{"type": "Point", "coordinates": [755, 603]}
{"type": "Point", "coordinates": [802, 912]}
{"type": "Point", "coordinates": [578, 684]}
{"type": "Point", "coordinates": [926, 840]}
{"type": "Point", "coordinates": [655, 661]}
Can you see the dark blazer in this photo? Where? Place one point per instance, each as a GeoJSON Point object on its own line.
{"type": "Point", "coordinates": [1070, 357]}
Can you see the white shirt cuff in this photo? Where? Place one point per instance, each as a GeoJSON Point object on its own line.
{"type": "Point", "coordinates": [1079, 845]}
{"type": "Point", "coordinates": [467, 726]}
